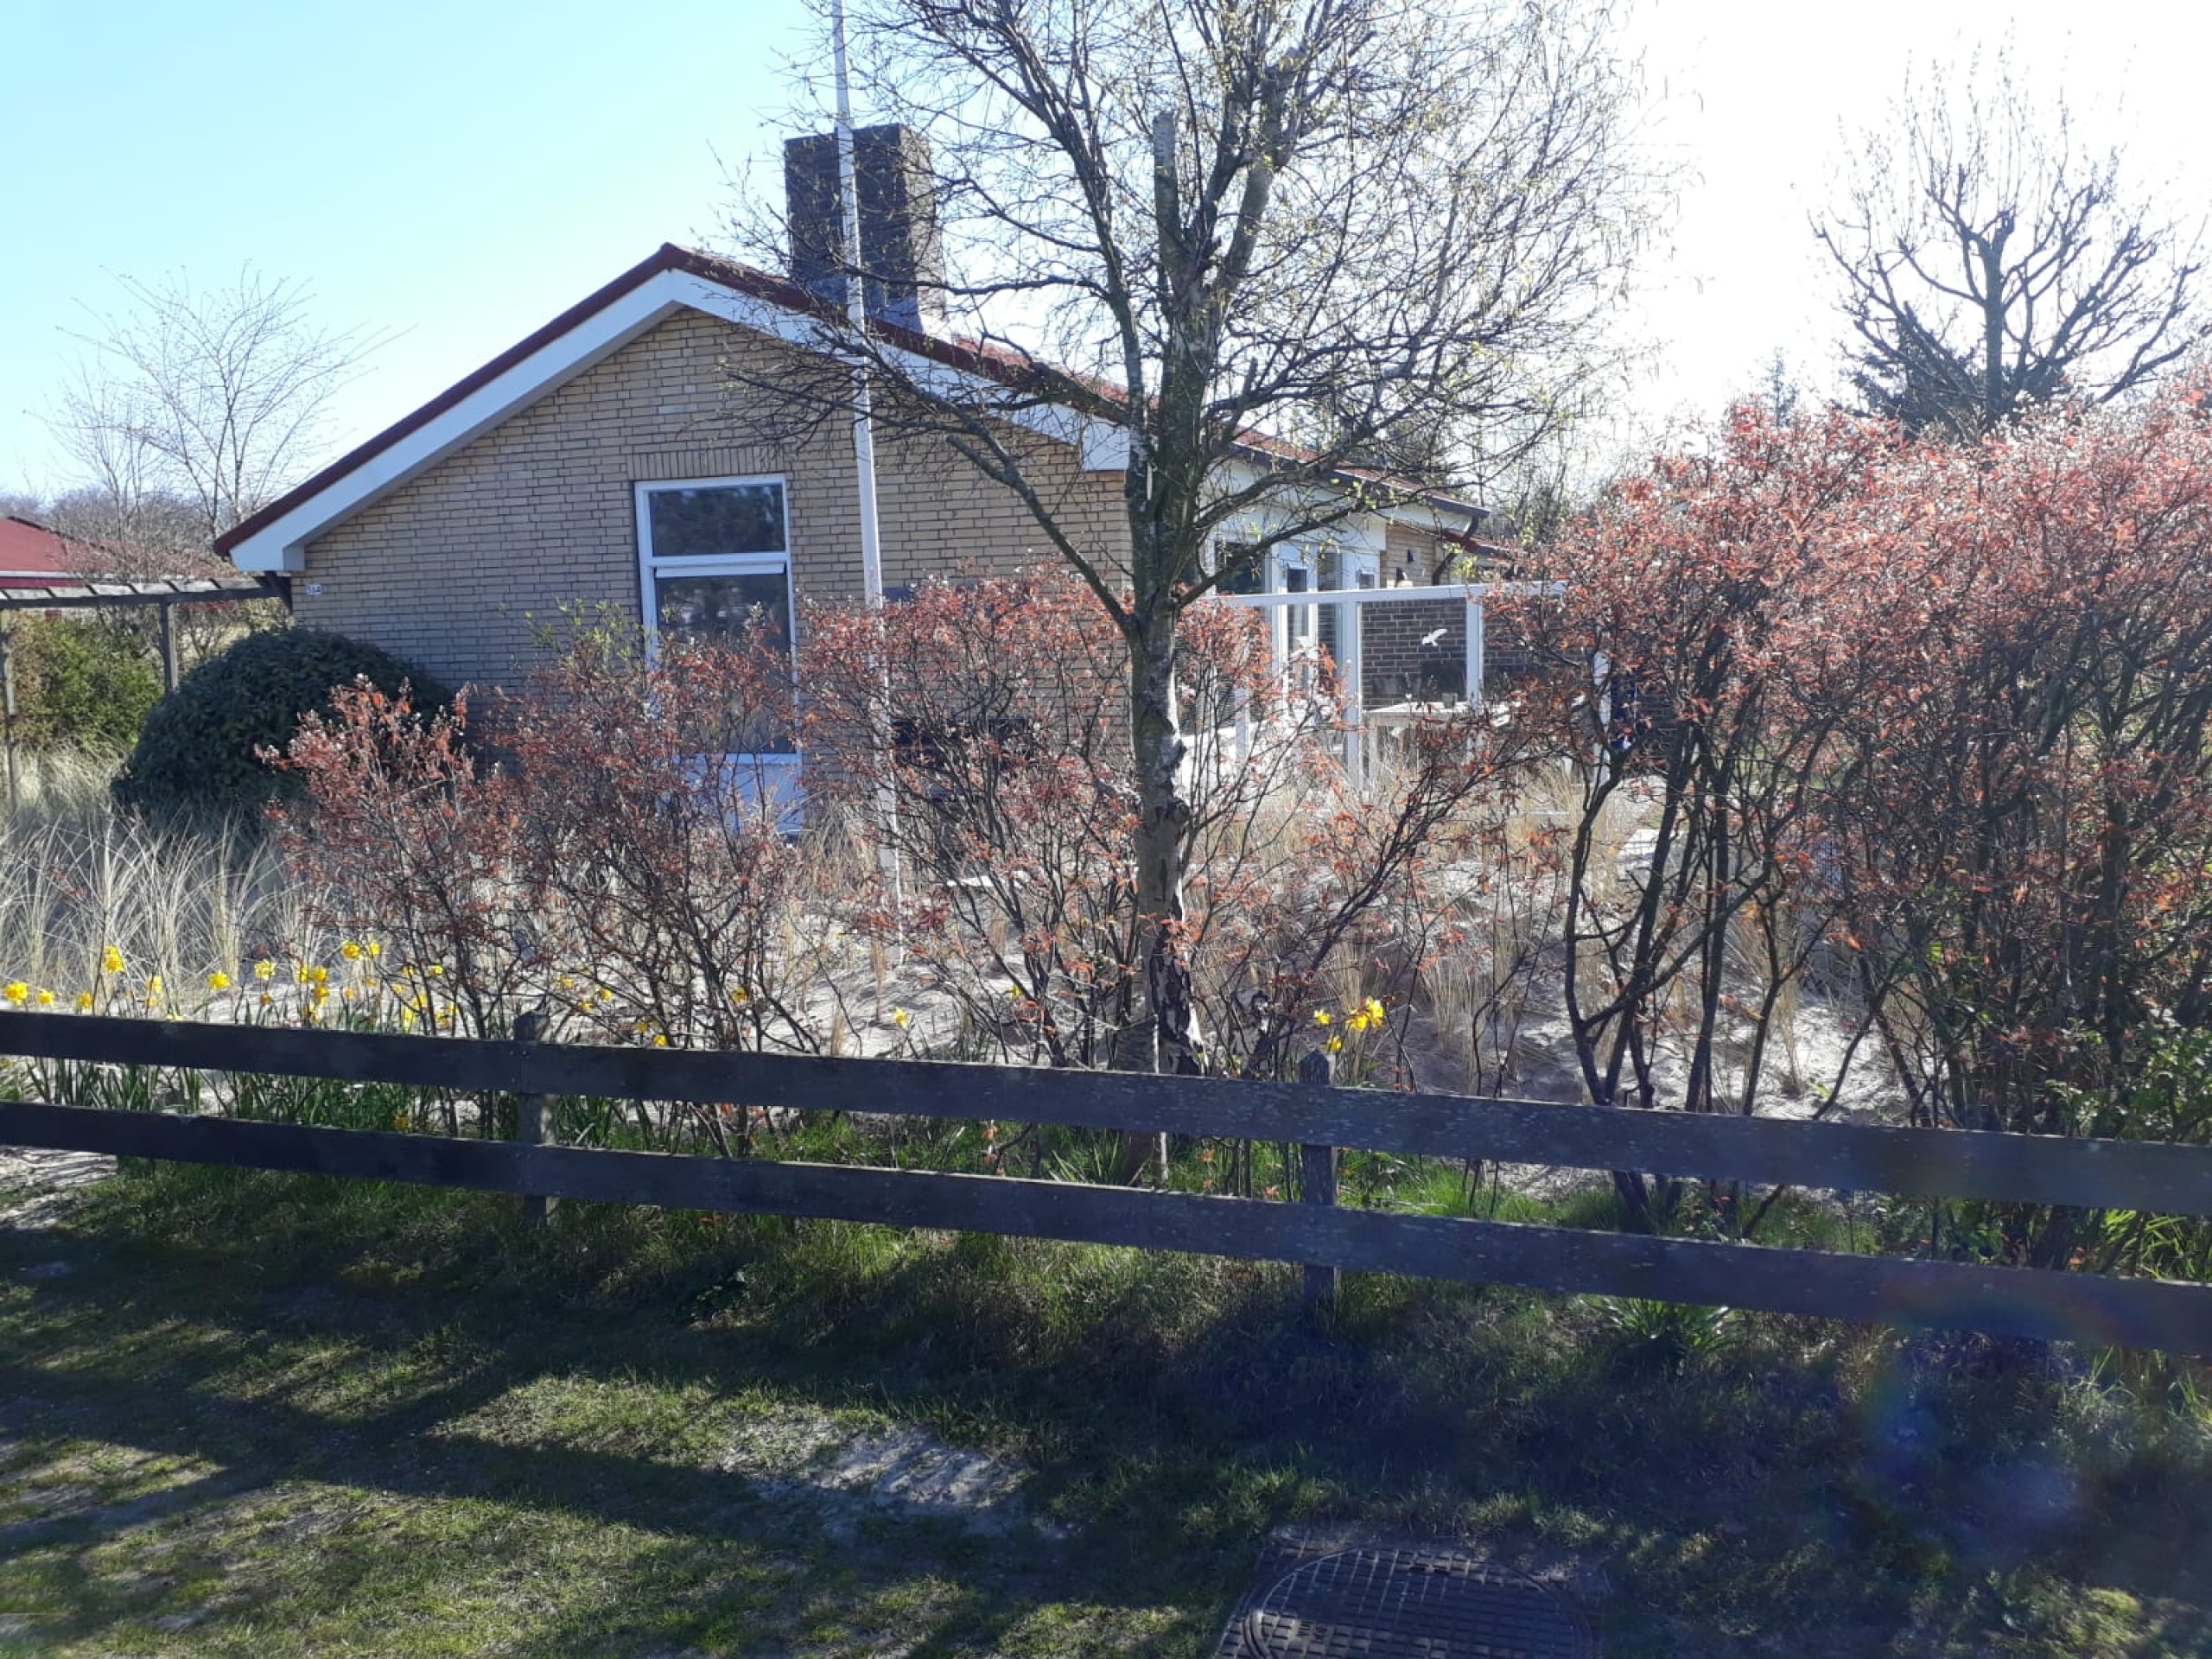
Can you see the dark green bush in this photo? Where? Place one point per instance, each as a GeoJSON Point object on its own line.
{"type": "Point", "coordinates": [80, 683]}
{"type": "Point", "coordinates": [196, 751]}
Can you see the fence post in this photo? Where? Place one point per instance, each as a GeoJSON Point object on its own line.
{"type": "Point", "coordinates": [1317, 1183]}
{"type": "Point", "coordinates": [533, 1118]}
{"type": "Point", "coordinates": [8, 713]}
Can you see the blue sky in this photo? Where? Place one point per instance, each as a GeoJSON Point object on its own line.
{"type": "Point", "coordinates": [455, 175]}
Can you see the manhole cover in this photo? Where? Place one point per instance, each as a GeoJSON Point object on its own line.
{"type": "Point", "coordinates": [1411, 1604]}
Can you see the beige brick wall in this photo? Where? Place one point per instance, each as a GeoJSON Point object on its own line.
{"type": "Point", "coordinates": [462, 569]}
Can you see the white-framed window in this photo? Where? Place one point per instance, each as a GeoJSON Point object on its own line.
{"type": "Point", "coordinates": [714, 554]}
{"type": "Point", "coordinates": [713, 558]}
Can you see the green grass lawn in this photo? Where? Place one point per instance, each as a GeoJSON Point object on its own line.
{"type": "Point", "coordinates": [277, 1416]}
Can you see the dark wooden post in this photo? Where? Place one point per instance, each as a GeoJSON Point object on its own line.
{"type": "Point", "coordinates": [533, 1118]}
{"type": "Point", "coordinates": [8, 713]}
{"type": "Point", "coordinates": [1317, 1183]}
{"type": "Point", "coordinates": [168, 646]}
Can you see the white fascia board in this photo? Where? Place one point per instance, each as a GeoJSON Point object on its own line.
{"type": "Point", "coordinates": [1104, 447]}
{"type": "Point", "coordinates": [281, 545]}
{"type": "Point", "coordinates": [1359, 532]}
{"type": "Point", "coordinates": [1101, 446]}
{"type": "Point", "coordinates": [1422, 513]}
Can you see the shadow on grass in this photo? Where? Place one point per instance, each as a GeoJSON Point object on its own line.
{"type": "Point", "coordinates": [1835, 1490]}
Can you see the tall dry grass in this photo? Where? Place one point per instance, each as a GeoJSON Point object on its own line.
{"type": "Point", "coordinates": [77, 879]}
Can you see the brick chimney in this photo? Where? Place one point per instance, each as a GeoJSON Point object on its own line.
{"type": "Point", "coordinates": [901, 260]}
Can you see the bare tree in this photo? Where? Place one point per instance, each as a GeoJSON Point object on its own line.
{"type": "Point", "coordinates": [1259, 242]}
{"type": "Point", "coordinates": [1991, 261]}
{"type": "Point", "coordinates": [214, 396]}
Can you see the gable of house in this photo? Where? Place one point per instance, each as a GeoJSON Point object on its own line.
{"type": "Point", "coordinates": [463, 568]}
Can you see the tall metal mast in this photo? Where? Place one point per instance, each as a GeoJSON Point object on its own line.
{"type": "Point", "coordinates": [857, 308]}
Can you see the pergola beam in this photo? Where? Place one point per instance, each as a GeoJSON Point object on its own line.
{"type": "Point", "coordinates": [181, 590]}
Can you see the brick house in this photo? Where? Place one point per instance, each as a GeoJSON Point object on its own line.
{"type": "Point", "coordinates": [611, 459]}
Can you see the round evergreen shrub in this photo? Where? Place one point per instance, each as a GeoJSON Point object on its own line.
{"type": "Point", "coordinates": [196, 752]}
{"type": "Point", "coordinates": [80, 684]}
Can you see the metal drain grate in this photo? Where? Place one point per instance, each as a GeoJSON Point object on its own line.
{"type": "Point", "coordinates": [1411, 1604]}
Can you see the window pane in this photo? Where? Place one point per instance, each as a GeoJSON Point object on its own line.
{"type": "Point", "coordinates": [696, 609]}
{"type": "Point", "coordinates": [1296, 579]}
{"type": "Point", "coordinates": [1248, 578]}
{"type": "Point", "coordinates": [719, 608]}
{"type": "Point", "coordinates": [726, 518]}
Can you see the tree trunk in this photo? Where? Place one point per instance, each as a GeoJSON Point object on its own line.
{"type": "Point", "coordinates": [1163, 1034]}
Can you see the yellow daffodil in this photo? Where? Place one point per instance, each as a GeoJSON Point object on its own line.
{"type": "Point", "coordinates": [1321, 1016]}
{"type": "Point", "coordinates": [1336, 1045]}
{"type": "Point", "coordinates": [436, 970]}
{"type": "Point", "coordinates": [112, 959]}
{"type": "Point", "coordinates": [319, 975]}
{"type": "Point", "coordinates": [349, 950]}
{"type": "Point", "coordinates": [902, 1019]}
{"type": "Point", "coordinates": [218, 980]}
{"type": "Point", "coordinates": [153, 986]}
{"type": "Point", "coordinates": [373, 949]}
{"type": "Point", "coordinates": [1375, 1011]}
{"type": "Point", "coordinates": [264, 969]}
{"type": "Point", "coordinates": [46, 998]}
{"type": "Point", "coordinates": [660, 1039]}
{"type": "Point", "coordinates": [17, 991]}
{"type": "Point", "coordinates": [84, 1001]}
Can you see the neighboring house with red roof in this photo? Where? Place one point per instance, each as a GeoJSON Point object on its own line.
{"type": "Point", "coordinates": [31, 555]}
{"type": "Point", "coordinates": [614, 457]}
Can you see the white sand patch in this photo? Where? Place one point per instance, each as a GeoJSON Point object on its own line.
{"type": "Point", "coordinates": [37, 1186]}
{"type": "Point", "coordinates": [901, 1472]}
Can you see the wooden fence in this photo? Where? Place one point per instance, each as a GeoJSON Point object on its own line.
{"type": "Point", "coordinates": [2094, 1174]}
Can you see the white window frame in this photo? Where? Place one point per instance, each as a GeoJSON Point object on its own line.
{"type": "Point", "coordinates": [778, 773]}
{"type": "Point", "coordinates": [1297, 626]}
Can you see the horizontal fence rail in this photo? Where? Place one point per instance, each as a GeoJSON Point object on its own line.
{"type": "Point", "coordinates": [2158, 1178]}
{"type": "Point", "coordinates": [2138, 1312]}
{"type": "Point", "coordinates": [2006, 1301]}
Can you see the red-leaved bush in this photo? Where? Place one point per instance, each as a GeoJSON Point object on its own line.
{"type": "Point", "coordinates": [978, 729]}
{"type": "Point", "coordinates": [625, 858]}
{"type": "Point", "coordinates": [1930, 721]}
